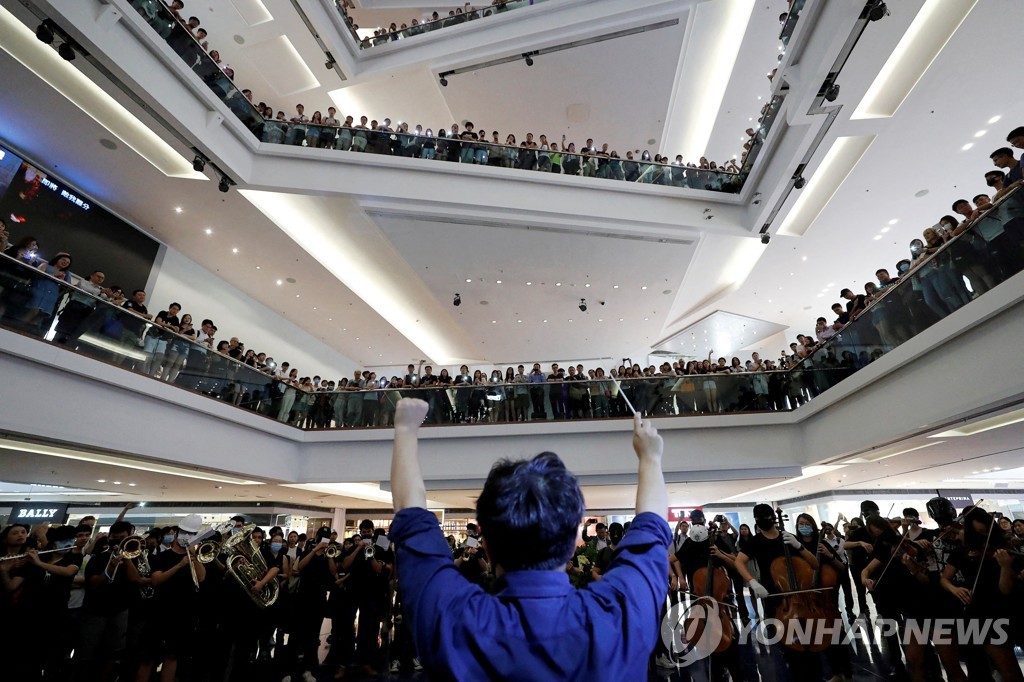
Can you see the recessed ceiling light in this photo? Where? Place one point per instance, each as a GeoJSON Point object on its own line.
{"type": "Point", "coordinates": [494, 322]}
{"type": "Point", "coordinates": [894, 221]}
{"type": "Point", "coordinates": [469, 280]}
{"type": "Point", "coordinates": [643, 288]}
{"type": "Point", "coordinates": [131, 485]}
{"type": "Point", "coordinates": [257, 267]}
{"type": "Point", "coordinates": [877, 237]}
{"type": "Point", "coordinates": [980, 133]}
{"type": "Point", "coordinates": [620, 319]}
{"type": "Point", "coordinates": [234, 250]}
{"type": "Point", "coordinates": [529, 284]}
{"type": "Point", "coordinates": [117, 482]}
{"type": "Point", "coordinates": [208, 231]}
{"type": "Point", "coordinates": [615, 287]}
{"type": "Point", "coordinates": [499, 281]}
{"type": "Point", "coordinates": [330, 319]}
{"type": "Point", "coordinates": [966, 146]}
{"type": "Point", "coordinates": [587, 285]}
{"type": "Point", "coordinates": [297, 295]}
{"type": "Point", "coordinates": [570, 320]}
{"type": "Point", "coordinates": [885, 229]}
{"type": "Point", "coordinates": [994, 119]}
{"type": "Point", "coordinates": [599, 320]}
{"type": "Point", "coordinates": [804, 258]}
{"type": "Point", "coordinates": [518, 320]}
{"type": "Point", "coordinates": [279, 282]}
{"type": "Point", "coordinates": [103, 480]}
{"type": "Point", "coordinates": [558, 284]}
{"type": "Point", "coordinates": [178, 209]}
{"type": "Point", "coordinates": [545, 321]}
{"type": "Point", "coordinates": [646, 318]}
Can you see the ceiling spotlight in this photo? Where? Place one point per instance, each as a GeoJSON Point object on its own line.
{"type": "Point", "coordinates": [528, 58]}
{"type": "Point", "coordinates": [199, 163]}
{"type": "Point", "coordinates": [765, 237]}
{"type": "Point", "coordinates": [444, 81]}
{"type": "Point", "coordinates": [877, 10]}
{"type": "Point", "coordinates": [457, 301]}
{"type": "Point", "coordinates": [832, 92]}
{"type": "Point", "coordinates": [799, 182]}
{"type": "Point", "coordinates": [330, 61]}
{"type": "Point", "coordinates": [45, 32]}
{"type": "Point", "coordinates": [583, 305]}
{"type": "Point", "coordinates": [66, 51]}
{"type": "Point", "coordinates": [225, 183]}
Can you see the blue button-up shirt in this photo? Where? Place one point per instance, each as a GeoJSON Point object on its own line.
{"type": "Point", "coordinates": [537, 627]}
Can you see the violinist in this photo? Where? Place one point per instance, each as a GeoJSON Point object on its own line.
{"type": "Point", "coordinates": [858, 546]}
{"type": "Point", "coordinates": [899, 588]}
{"type": "Point", "coordinates": [994, 573]}
{"type": "Point", "coordinates": [911, 523]}
{"type": "Point", "coordinates": [763, 549]}
{"type": "Point", "coordinates": [834, 542]}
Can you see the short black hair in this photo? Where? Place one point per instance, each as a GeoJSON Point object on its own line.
{"type": "Point", "coordinates": [844, 292]}
{"type": "Point", "coordinates": [960, 201]}
{"type": "Point", "coordinates": [365, 523]}
{"type": "Point", "coordinates": [120, 527]}
{"type": "Point", "coordinates": [911, 513]}
{"type": "Point", "coordinates": [530, 512]}
{"type": "Point", "coordinates": [979, 196]}
{"type": "Point", "coordinates": [1016, 132]}
{"type": "Point", "coordinates": [1002, 151]}
{"type": "Point", "coordinates": [137, 291]}
{"type": "Point", "coordinates": [601, 526]}
{"type": "Point", "coordinates": [880, 271]}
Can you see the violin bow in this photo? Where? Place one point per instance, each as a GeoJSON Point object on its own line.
{"type": "Point", "coordinates": [813, 589]}
{"type": "Point", "coordinates": [624, 396]}
{"type": "Point", "coordinates": [981, 560]}
{"type": "Point", "coordinates": [895, 551]}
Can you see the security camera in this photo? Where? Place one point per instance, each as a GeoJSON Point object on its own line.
{"type": "Point", "coordinates": [583, 305]}
{"type": "Point", "coordinates": [799, 182]}
{"type": "Point", "coordinates": [528, 58]}
{"type": "Point", "coordinates": [444, 82]}
{"type": "Point", "coordinates": [877, 11]}
{"type": "Point", "coordinates": [457, 301]}
{"type": "Point", "coordinates": [765, 237]}
{"type": "Point", "coordinates": [832, 92]}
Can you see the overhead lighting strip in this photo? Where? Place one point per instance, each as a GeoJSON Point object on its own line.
{"type": "Point", "coordinates": [115, 460]}
{"type": "Point", "coordinates": [20, 42]}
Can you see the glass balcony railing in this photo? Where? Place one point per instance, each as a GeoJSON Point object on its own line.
{"type": "Point", "coordinates": [941, 279]}
{"type": "Point", "coordinates": [442, 146]}
{"type": "Point", "coordinates": [987, 252]}
{"type": "Point", "coordinates": [383, 35]}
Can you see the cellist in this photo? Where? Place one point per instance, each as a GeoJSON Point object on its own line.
{"type": "Point", "coordinates": [763, 549]}
{"type": "Point", "coordinates": [694, 555]}
{"type": "Point", "coordinates": [837, 654]}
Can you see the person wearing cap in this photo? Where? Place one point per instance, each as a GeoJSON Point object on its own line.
{"type": "Point", "coordinates": [858, 546]}
{"type": "Point", "coordinates": [537, 626]}
{"type": "Point", "coordinates": [172, 628]}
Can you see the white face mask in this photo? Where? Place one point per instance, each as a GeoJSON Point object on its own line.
{"type": "Point", "coordinates": [185, 538]}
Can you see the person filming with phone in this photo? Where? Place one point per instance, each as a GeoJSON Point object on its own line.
{"type": "Point", "coordinates": [537, 626]}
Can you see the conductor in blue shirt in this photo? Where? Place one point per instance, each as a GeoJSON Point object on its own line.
{"type": "Point", "coordinates": [537, 626]}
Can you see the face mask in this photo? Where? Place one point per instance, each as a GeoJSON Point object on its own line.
{"type": "Point", "coordinates": [805, 530]}
{"type": "Point", "coordinates": [168, 539]}
{"type": "Point", "coordinates": [184, 539]}
{"type": "Point", "coordinates": [766, 523]}
{"type": "Point", "coordinates": [276, 546]}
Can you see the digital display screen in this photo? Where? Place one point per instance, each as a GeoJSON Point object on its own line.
{"type": "Point", "coordinates": [37, 204]}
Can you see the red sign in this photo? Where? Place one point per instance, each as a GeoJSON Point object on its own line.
{"type": "Point", "coordinates": [677, 514]}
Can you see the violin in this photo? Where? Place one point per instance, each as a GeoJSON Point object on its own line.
{"type": "Point", "coordinates": [711, 583]}
{"type": "Point", "coordinates": [794, 574]}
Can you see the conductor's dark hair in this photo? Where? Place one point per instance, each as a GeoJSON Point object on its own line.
{"type": "Point", "coordinates": [529, 513]}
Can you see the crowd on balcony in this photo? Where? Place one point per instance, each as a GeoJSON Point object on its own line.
{"type": "Point", "coordinates": [418, 26]}
{"type": "Point", "coordinates": [947, 267]}
{"type": "Point", "coordinates": [456, 143]}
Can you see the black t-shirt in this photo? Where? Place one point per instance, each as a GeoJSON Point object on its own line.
{"type": "Point", "coordinates": [693, 555]}
{"type": "Point", "coordinates": [859, 302]}
{"type": "Point", "coordinates": [764, 552]}
{"type": "Point", "coordinates": [178, 592]}
{"type": "Point", "coordinates": [316, 575]}
{"type": "Point", "coordinates": [169, 319]}
{"type": "Point", "coordinates": [988, 600]}
{"type": "Point", "coordinates": [858, 555]}
{"type": "Point", "coordinates": [893, 581]}
{"type": "Point", "coordinates": [57, 589]}
{"type": "Point", "coordinates": [131, 322]}
{"type": "Point", "coordinates": [106, 598]}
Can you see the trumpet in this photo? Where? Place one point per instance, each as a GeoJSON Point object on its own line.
{"type": "Point", "coordinates": [370, 552]}
{"type": "Point", "coordinates": [332, 551]}
{"type": "Point", "coordinates": [131, 548]}
{"type": "Point", "coordinates": [207, 551]}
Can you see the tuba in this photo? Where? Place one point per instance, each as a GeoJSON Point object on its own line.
{"type": "Point", "coordinates": [245, 564]}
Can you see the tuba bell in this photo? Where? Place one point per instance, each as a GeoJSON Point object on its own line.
{"type": "Point", "coordinates": [245, 564]}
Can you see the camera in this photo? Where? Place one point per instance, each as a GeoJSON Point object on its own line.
{"type": "Point", "coordinates": [765, 237]}
{"type": "Point", "coordinates": [457, 301]}
{"type": "Point", "coordinates": [583, 305]}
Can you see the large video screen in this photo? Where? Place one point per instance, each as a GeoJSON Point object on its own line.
{"type": "Point", "coordinates": [36, 204]}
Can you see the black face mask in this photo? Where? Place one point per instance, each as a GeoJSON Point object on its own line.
{"type": "Point", "coordinates": [767, 523]}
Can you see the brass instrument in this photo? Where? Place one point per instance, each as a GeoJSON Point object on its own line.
{"type": "Point", "coordinates": [332, 551]}
{"type": "Point", "coordinates": [129, 549]}
{"type": "Point", "coordinates": [370, 552]}
{"type": "Point", "coordinates": [207, 551]}
{"type": "Point", "coordinates": [246, 565]}
{"type": "Point", "coordinates": [192, 567]}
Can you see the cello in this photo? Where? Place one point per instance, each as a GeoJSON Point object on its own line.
{"type": "Point", "coordinates": [793, 574]}
{"type": "Point", "coordinates": [711, 584]}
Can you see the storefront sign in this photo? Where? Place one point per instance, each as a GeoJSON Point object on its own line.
{"type": "Point", "coordinates": [959, 498]}
{"type": "Point", "coordinates": [38, 512]}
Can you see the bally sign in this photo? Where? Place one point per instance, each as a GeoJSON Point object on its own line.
{"type": "Point", "coordinates": [38, 512]}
